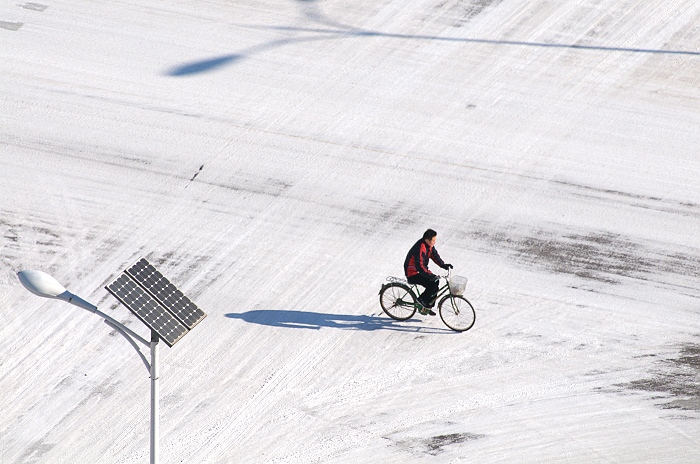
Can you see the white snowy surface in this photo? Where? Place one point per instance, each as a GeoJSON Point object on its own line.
{"type": "Point", "coordinates": [276, 160]}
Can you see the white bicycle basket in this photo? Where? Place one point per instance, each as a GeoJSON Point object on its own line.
{"type": "Point", "coordinates": [457, 285]}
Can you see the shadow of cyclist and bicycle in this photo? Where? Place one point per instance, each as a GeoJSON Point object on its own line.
{"type": "Point", "coordinates": [312, 320]}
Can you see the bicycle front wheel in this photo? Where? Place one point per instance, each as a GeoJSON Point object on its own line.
{"type": "Point", "coordinates": [457, 313]}
{"type": "Point", "coordinates": [398, 301]}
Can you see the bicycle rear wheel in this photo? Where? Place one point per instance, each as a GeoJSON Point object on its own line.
{"type": "Point", "coordinates": [457, 313]}
{"type": "Point", "coordinates": [398, 301]}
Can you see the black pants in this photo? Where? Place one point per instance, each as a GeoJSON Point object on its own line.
{"type": "Point", "coordinates": [431, 288]}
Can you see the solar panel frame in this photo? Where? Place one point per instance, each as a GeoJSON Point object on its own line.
{"type": "Point", "coordinates": [147, 309]}
{"type": "Point", "coordinates": [167, 294]}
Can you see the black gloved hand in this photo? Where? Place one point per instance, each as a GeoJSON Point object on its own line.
{"type": "Point", "coordinates": [448, 266]}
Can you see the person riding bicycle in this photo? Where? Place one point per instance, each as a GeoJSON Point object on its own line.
{"type": "Point", "coordinates": [416, 269]}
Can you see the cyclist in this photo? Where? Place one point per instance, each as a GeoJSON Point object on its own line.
{"type": "Point", "coordinates": [416, 269]}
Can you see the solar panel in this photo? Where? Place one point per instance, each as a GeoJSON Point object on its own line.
{"type": "Point", "coordinates": [147, 309]}
{"type": "Point", "coordinates": [166, 293]}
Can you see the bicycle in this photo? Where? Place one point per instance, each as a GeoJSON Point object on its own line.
{"type": "Point", "coordinates": [399, 300]}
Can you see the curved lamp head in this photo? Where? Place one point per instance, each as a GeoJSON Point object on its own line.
{"type": "Point", "coordinates": [42, 284]}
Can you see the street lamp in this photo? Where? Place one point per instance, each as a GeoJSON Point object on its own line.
{"type": "Point", "coordinates": [144, 281]}
{"type": "Point", "coordinates": [42, 284]}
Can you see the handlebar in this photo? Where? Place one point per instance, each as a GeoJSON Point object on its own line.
{"type": "Point", "coordinates": [445, 276]}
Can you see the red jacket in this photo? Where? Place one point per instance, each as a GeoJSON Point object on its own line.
{"type": "Point", "coordinates": [418, 258]}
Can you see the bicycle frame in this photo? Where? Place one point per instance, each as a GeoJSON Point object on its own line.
{"type": "Point", "coordinates": [445, 289]}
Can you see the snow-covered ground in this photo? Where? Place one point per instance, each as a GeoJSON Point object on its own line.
{"type": "Point", "coordinates": [276, 160]}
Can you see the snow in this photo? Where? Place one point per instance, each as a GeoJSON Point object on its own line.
{"type": "Point", "coordinates": [276, 160]}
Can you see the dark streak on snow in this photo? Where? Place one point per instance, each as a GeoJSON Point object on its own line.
{"type": "Point", "coordinates": [34, 6]}
{"type": "Point", "coordinates": [683, 208]}
{"type": "Point", "coordinates": [240, 184]}
{"type": "Point", "coordinates": [436, 444]}
{"type": "Point", "coordinates": [678, 379]}
{"type": "Point", "coordinates": [600, 256]}
{"type": "Point", "coordinates": [457, 13]}
{"type": "Point", "coordinates": [197, 173]}
{"type": "Point", "coordinates": [10, 26]}
{"type": "Point", "coordinates": [375, 216]}
{"type": "Point", "coordinates": [17, 235]}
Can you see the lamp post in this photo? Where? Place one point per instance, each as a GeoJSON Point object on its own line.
{"type": "Point", "coordinates": [42, 284]}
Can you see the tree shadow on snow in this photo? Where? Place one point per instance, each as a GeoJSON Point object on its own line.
{"type": "Point", "coordinates": [310, 320]}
